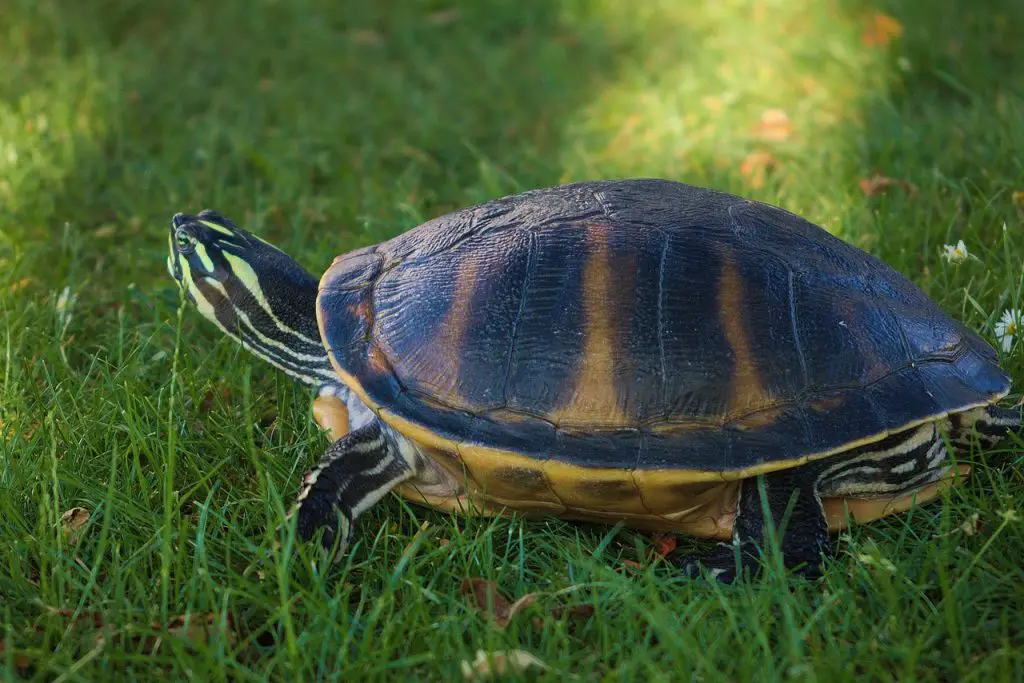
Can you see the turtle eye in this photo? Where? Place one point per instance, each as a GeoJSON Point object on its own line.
{"type": "Point", "coordinates": [183, 240]}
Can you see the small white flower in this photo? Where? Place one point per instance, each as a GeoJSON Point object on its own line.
{"type": "Point", "coordinates": [956, 254]}
{"type": "Point", "coordinates": [1008, 327]}
{"type": "Point", "coordinates": [1010, 515]}
{"type": "Point", "coordinates": [63, 299]}
{"type": "Point", "coordinates": [881, 562]}
{"type": "Point", "coordinates": [65, 303]}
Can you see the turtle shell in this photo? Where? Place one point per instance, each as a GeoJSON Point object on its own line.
{"type": "Point", "coordinates": [638, 327]}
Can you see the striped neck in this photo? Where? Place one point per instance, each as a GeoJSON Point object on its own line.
{"type": "Point", "coordinates": [252, 291]}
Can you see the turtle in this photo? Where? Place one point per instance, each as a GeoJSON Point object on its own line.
{"type": "Point", "coordinates": [638, 351]}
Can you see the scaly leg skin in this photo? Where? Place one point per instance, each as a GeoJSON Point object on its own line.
{"type": "Point", "coordinates": [354, 473]}
{"type": "Point", "coordinates": [988, 424]}
{"type": "Point", "coordinates": [803, 545]}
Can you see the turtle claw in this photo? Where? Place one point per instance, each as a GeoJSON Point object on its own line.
{"type": "Point", "coordinates": [331, 534]}
{"type": "Point", "coordinates": [721, 563]}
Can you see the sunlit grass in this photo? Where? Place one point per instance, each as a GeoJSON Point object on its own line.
{"type": "Point", "coordinates": [691, 101]}
{"type": "Point", "coordinates": [325, 128]}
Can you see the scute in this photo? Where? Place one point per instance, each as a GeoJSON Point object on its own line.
{"type": "Point", "coordinates": [644, 325]}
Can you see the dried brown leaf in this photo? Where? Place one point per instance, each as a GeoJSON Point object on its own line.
{"type": "Point", "coordinates": [488, 665]}
{"type": "Point", "coordinates": [365, 36]}
{"type": "Point", "coordinates": [573, 612]}
{"type": "Point", "coordinates": [93, 622]}
{"type": "Point", "coordinates": [87, 618]}
{"type": "Point", "coordinates": [665, 543]}
{"type": "Point", "coordinates": [21, 660]}
{"type": "Point", "coordinates": [1018, 198]}
{"type": "Point", "coordinates": [195, 629]}
{"type": "Point", "coordinates": [72, 523]}
{"type": "Point", "coordinates": [490, 602]}
{"type": "Point", "coordinates": [755, 167]}
{"type": "Point", "coordinates": [880, 30]}
{"type": "Point", "coordinates": [75, 518]}
{"type": "Point", "coordinates": [567, 613]}
{"type": "Point", "coordinates": [971, 525]}
{"type": "Point", "coordinates": [442, 17]}
{"type": "Point", "coordinates": [520, 605]}
{"type": "Point", "coordinates": [20, 285]}
{"type": "Point", "coordinates": [774, 125]}
{"type": "Point", "coordinates": [200, 628]}
{"type": "Point", "coordinates": [877, 183]}
{"type": "Point", "coordinates": [209, 400]}
{"type": "Point", "coordinates": [487, 599]}
{"type": "Point", "coordinates": [580, 611]}
{"type": "Point", "coordinates": [712, 103]}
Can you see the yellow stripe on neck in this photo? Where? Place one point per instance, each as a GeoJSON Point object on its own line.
{"type": "Point", "coordinates": [204, 256]}
{"type": "Point", "coordinates": [247, 276]}
{"type": "Point", "coordinates": [219, 228]}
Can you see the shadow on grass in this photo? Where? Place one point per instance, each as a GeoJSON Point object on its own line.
{"type": "Point", "coordinates": [336, 123]}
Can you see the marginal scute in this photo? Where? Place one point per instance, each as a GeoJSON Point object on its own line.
{"type": "Point", "coordinates": [416, 432]}
{"type": "Point", "coordinates": [489, 469]}
{"type": "Point", "coordinates": [609, 493]}
{"type": "Point", "coordinates": [606, 489]}
{"type": "Point", "coordinates": [527, 479]}
{"type": "Point", "coordinates": [355, 270]}
{"type": "Point", "coordinates": [356, 308]}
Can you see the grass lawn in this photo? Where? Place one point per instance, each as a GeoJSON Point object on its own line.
{"type": "Point", "coordinates": [324, 126]}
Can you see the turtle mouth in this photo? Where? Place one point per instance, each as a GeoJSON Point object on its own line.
{"type": "Point", "coordinates": [173, 266]}
{"type": "Point", "coordinates": [178, 220]}
{"type": "Point", "coordinates": [179, 226]}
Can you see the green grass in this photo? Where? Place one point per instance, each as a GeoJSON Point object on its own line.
{"type": "Point", "coordinates": [325, 126]}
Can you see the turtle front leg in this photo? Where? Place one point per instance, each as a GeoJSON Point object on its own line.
{"type": "Point", "coordinates": [803, 542]}
{"type": "Point", "coordinates": [354, 473]}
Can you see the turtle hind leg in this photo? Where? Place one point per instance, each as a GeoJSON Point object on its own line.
{"type": "Point", "coordinates": [881, 471]}
{"type": "Point", "coordinates": [791, 499]}
{"type": "Point", "coordinates": [354, 473]}
{"type": "Point", "coordinates": [989, 424]}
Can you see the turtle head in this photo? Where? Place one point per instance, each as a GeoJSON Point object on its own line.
{"type": "Point", "coordinates": [251, 290]}
{"type": "Point", "coordinates": [195, 241]}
